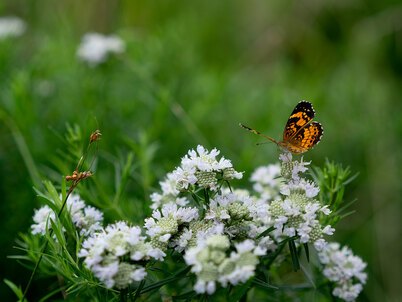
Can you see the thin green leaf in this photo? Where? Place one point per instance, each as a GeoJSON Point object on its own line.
{"type": "Point", "coordinates": [240, 291]}
{"type": "Point", "coordinates": [168, 280]}
{"type": "Point", "coordinates": [296, 287]}
{"type": "Point", "coordinates": [16, 289]}
{"type": "Point", "coordinates": [263, 284]}
{"type": "Point", "coordinates": [186, 296]}
{"type": "Point", "coordinates": [267, 231]}
{"type": "Point", "coordinates": [138, 290]}
{"type": "Point", "coordinates": [307, 251]}
{"type": "Point", "coordinates": [52, 293]}
{"type": "Point", "coordinates": [293, 253]}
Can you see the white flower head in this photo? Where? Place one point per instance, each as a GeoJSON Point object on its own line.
{"type": "Point", "coordinates": [85, 218]}
{"type": "Point", "coordinates": [106, 254]}
{"type": "Point", "coordinates": [266, 181]}
{"type": "Point", "coordinates": [42, 218]}
{"type": "Point", "coordinates": [11, 27]}
{"type": "Point", "coordinates": [212, 264]}
{"type": "Point", "coordinates": [344, 269]}
{"type": "Point", "coordinates": [202, 167]}
{"type": "Point", "coordinates": [95, 48]}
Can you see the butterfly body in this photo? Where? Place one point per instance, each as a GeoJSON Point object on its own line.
{"type": "Point", "coordinates": [301, 133]}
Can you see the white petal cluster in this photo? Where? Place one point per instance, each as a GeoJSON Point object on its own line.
{"type": "Point", "coordinates": [95, 48]}
{"type": "Point", "coordinates": [298, 213]}
{"type": "Point", "coordinates": [238, 212]}
{"type": "Point", "coordinates": [85, 218]}
{"type": "Point", "coordinates": [167, 222]}
{"type": "Point", "coordinates": [199, 168]}
{"type": "Point", "coordinates": [214, 262]}
{"type": "Point", "coordinates": [41, 218]}
{"type": "Point", "coordinates": [114, 254]}
{"type": "Point", "coordinates": [266, 181]}
{"type": "Point", "coordinates": [344, 269]}
{"type": "Point", "coordinates": [169, 193]}
{"type": "Point", "coordinates": [11, 27]}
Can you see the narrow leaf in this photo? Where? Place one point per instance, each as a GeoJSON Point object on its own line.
{"type": "Point", "coordinates": [16, 289]}
{"type": "Point", "coordinates": [307, 251]}
{"type": "Point", "coordinates": [267, 231]}
{"type": "Point", "coordinates": [293, 253]}
{"type": "Point", "coordinates": [259, 282]}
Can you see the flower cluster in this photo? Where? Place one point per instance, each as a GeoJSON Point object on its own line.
{"type": "Point", "coordinates": [238, 212]}
{"type": "Point", "coordinates": [168, 224]}
{"type": "Point", "coordinates": [297, 213]}
{"type": "Point", "coordinates": [85, 218]}
{"type": "Point", "coordinates": [266, 182]}
{"type": "Point", "coordinates": [11, 27]}
{"type": "Point", "coordinates": [344, 269]}
{"type": "Point", "coordinates": [211, 263]}
{"type": "Point", "coordinates": [114, 255]}
{"type": "Point", "coordinates": [95, 48]}
{"type": "Point", "coordinates": [199, 168]}
{"type": "Point", "coordinates": [222, 234]}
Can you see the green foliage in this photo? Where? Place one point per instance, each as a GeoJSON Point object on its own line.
{"type": "Point", "coordinates": [191, 72]}
{"type": "Point", "coordinates": [333, 179]}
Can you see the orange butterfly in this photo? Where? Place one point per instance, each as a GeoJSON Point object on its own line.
{"type": "Point", "coordinates": [301, 133]}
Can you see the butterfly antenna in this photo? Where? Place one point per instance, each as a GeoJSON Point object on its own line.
{"type": "Point", "coordinates": [258, 133]}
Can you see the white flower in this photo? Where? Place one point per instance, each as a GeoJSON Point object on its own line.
{"type": "Point", "coordinates": [86, 218]}
{"type": "Point", "coordinates": [169, 193]}
{"type": "Point", "coordinates": [41, 219]}
{"type": "Point", "coordinates": [320, 244]}
{"type": "Point", "coordinates": [301, 184]}
{"type": "Point", "coordinates": [168, 219]}
{"type": "Point", "coordinates": [11, 27]}
{"type": "Point", "coordinates": [210, 262]}
{"type": "Point", "coordinates": [328, 230]}
{"type": "Point", "coordinates": [344, 269]}
{"type": "Point", "coordinates": [265, 181]}
{"type": "Point", "coordinates": [95, 47]}
{"type": "Point", "coordinates": [285, 157]}
{"type": "Point", "coordinates": [106, 254]}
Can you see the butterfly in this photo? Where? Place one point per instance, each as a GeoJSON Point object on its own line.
{"type": "Point", "coordinates": [301, 133]}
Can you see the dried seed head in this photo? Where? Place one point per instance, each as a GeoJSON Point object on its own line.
{"type": "Point", "coordinates": [78, 176]}
{"type": "Point", "coordinates": [95, 136]}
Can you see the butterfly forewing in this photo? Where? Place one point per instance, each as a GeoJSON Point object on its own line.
{"type": "Point", "coordinates": [300, 116]}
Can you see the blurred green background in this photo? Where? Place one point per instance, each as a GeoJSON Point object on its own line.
{"type": "Point", "coordinates": [193, 70]}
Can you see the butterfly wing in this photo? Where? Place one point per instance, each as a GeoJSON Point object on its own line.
{"type": "Point", "coordinates": [300, 117]}
{"type": "Point", "coordinates": [306, 138]}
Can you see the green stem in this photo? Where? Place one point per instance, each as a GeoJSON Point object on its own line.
{"type": "Point", "coordinates": [70, 190]}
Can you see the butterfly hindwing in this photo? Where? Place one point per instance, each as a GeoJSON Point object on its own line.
{"type": "Point", "coordinates": [306, 138]}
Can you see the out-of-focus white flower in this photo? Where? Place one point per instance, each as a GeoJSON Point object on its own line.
{"type": "Point", "coordinates": [344, 269]}
{"type": "Point", "coordinates": [41, 219]}
{"type": "Point", "coordinates": [266, 181]}
{"type": "Point", "coordinates": [11, 27]}
{"type": "Point", "coordinates": [86, 218]}
{"type": "Point", "coordinates": [95, 48]}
